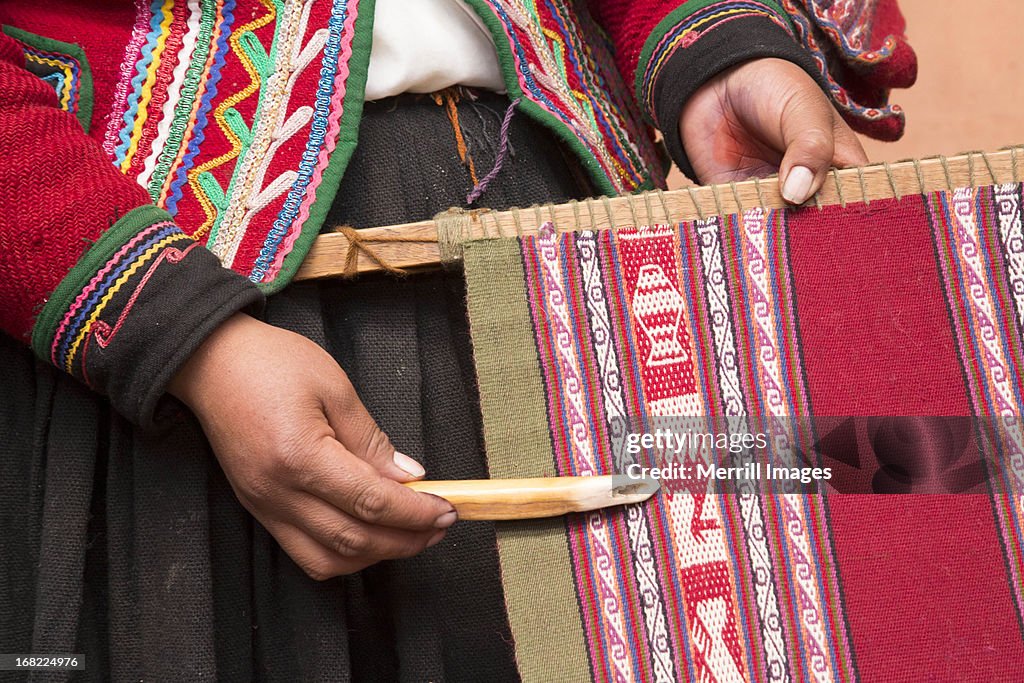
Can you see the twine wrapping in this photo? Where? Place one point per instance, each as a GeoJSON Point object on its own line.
{"type": "Point", "coordinates": [454, 227]}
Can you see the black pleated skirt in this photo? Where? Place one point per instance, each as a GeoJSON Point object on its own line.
{"type": "Point", "coordinates": [129, 546]}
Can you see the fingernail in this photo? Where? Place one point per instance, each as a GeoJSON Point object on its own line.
{"type": "Point", "coordinates": [435, 539]}
{"type": "Point", "coordinates": [798, 185]}
{"type": "Point", "coordinates": [446, 520]}
{"type": "Point", "coordinates": [408, 465]}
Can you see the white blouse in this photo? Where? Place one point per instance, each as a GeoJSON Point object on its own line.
{"type": "Point", "coordinates": [422, 46]}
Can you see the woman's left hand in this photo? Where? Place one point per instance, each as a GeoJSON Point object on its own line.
{"type": "Point", "coordinates": [763, 116]}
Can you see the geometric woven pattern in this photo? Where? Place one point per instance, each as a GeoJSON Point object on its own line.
{"type": "Point", "coordinates": [909, 307]}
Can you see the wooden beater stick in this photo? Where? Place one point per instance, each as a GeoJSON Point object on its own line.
{"type": "Point", "coordinates": [495, 499]}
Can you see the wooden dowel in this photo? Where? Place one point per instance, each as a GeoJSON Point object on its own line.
{"type": "Point", "coordinates": [495, 499]}
{"type": "Point", "coordinates": [414, 245]}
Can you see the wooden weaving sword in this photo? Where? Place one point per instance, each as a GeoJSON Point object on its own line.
{"type": "Point", "coordinates": [498, 499]}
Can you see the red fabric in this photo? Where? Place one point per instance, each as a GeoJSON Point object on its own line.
{"type": "Point", "coordinates": [104, 30]}
{"type": "Point", "coordinates": [58, 191]}
{"type": "Point", "coordinates": [925, 588]}
{"type": "Point", "coordinates": [900, 70]}
{"type": "Point", "coordinates": [629, 23]}
{"type": "Point", "coordinates": [922, 574]}
{"type": "Point", "coordinates": [876, 354]}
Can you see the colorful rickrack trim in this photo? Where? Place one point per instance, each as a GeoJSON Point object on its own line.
{"type": "Point", "coordinates": [198, 71]}
{"type": "Point", "coordinates": [123, 89]}
{"type": "Point", "coordinates": [153, 117]}
{"type": "Point", "coordinates": [198, 122]}
{"type": "Point", "coordinates": [142, 82]}
{"type": "Point", "coordinates": [108, 281]}
{"type": "Point", "coordinates": [246, 51]}
{"type": "Point", "coordinates": [98, 276]}
{"type": "Point", "coordinates": [63, 66]}
{"type": "Point", "coordinates": [65, 79]}
{"type": "Point", "coordinates": [322, 138]}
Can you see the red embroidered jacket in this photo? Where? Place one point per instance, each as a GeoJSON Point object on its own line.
{"type": "Point", "coordinates": [134, 134]}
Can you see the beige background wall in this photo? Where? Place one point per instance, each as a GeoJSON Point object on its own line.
{"type": "Point", "coordinates": [970, 83]}
{"type": "Point", "coordinates": [970, 86]}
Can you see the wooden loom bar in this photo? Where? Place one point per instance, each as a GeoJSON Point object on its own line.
{"type": "Point", "coordinates": [414, 245]}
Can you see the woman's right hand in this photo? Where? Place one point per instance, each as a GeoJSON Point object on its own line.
{"type": "Point", "coordinates": [301, 452]}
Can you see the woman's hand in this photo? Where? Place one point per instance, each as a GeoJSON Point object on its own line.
{"type": "Point", "coordinates": [763, 116]}
{"type": "Point", "coordinates": [301, 452]}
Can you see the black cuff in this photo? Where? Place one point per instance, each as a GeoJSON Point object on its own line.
{"type": "Point", "coordinates": [135, 307]}
{"type": "Point", "coordinates": [718, 49]}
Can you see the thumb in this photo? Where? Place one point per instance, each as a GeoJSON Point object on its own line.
{"type": "Point", "coordinates": [809, 139]}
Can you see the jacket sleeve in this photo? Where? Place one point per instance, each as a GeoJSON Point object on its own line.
{"type": "Point", "coordinates": [668, 48]}
{"type": "Point", "coordinates": [101, 283]}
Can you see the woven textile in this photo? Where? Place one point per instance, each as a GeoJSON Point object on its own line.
{"type": "Point", "coordinates": [909, 307]}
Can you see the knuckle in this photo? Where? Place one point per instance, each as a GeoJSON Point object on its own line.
{"type": "Point", "coordinates": [370, 503]}
{"type": "Point", "coordinates": [352, 542]}
{"type": "Point", "coordinates": [817, 143]}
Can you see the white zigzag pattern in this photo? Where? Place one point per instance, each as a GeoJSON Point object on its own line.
{"type": "Point", "coordinates": [174, 90]}
{"type": "Point", "coordinates": [750, 508]}
{"type": "Point", "coordinates": [597, 528]}
{"type": "Point", "coordinates": [615, 414]}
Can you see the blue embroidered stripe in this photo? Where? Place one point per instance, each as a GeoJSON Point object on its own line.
{"type": "Point", "coordinates": [157, 232]}
{"type": "Point", "coordinates": [201, 120]}
{"type": "Point", "coordinates": [325, 92]}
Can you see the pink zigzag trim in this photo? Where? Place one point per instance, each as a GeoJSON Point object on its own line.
{"type": "Point", "coordinates": [102, 331]}
{"type": "Point", "coordinates": [83, 295]}
{"type": "Point", "coordinates": [131, 52]}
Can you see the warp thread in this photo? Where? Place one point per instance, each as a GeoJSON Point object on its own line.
{"type": "Point", "coordinates": [455, 226]}
{"type": "Point", "coordinates": [499, 160]}
{"type": "Point", "coordinates": [892, 180]}
{"type": "Point", "coordinates": [945, 171]}
{"type": "Point", "coordinates": [839, 187]}
{"type": "Point", "coordinates": [863, 186]}
{"type": "Point", "coordinates": [736, 196]}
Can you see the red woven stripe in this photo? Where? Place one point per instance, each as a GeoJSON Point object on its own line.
{"type": "Point", "coordinates": [877, 340]}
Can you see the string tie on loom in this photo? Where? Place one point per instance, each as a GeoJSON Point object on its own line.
{"type": "Point", "coordinates": [499, 160]}
{"type": "Point", "coordinates": [357, 244]}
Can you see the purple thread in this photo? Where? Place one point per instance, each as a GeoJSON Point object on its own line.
{"type": "Point", "coordinates": [502, 155]}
